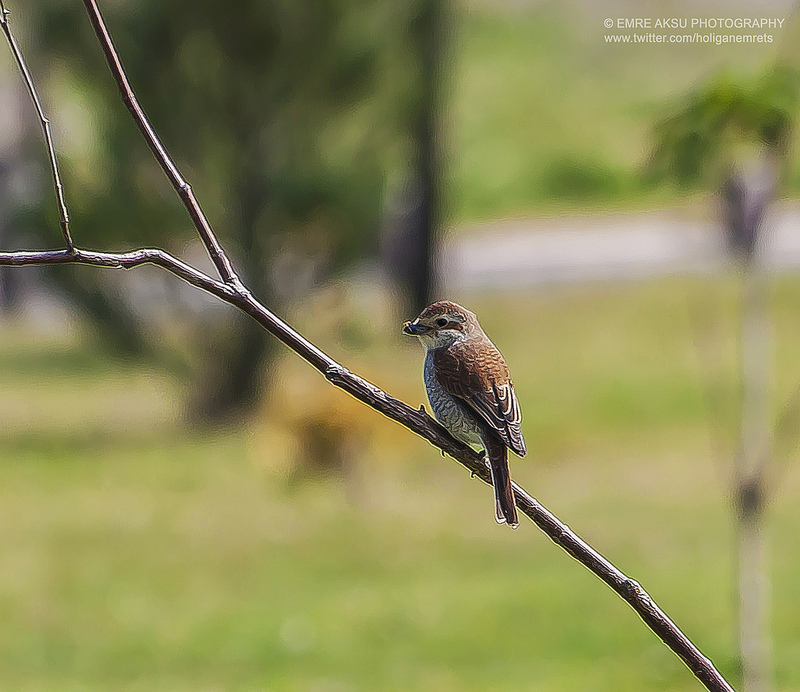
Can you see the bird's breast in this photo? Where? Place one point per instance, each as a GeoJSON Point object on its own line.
{"type": "Point", "coordinates": [448, 411]}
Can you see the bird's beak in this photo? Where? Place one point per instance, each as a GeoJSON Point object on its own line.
{"type": "Point", "coordinates": [414, 328]}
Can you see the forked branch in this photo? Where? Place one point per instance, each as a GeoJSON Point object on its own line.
{"type": "Point", "coordinates": [231, 290]}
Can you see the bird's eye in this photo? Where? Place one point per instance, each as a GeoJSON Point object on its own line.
{"type": "Point", "coordinates": [441, 322]}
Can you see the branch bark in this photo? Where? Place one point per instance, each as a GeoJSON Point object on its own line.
{"type": "Point", "coordinates": [231, 290]}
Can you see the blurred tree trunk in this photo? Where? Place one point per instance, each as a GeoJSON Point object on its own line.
{"type": "Point", "coordinates": [429, 34]}
{"type": "Point", "coordinates": [410, 247]}
{"type": "Point", "coordinates": [750, 492]}
{"type": "Point", "coordinates": [747, 196]}
{"type": "Point", "coordinates": [712, 132]}
{"type": "Point", "coordinates": [231, 384]}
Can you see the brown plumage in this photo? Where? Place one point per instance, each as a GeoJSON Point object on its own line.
{"type": "Point", "coordinates": [471, 391]}
{"type": "Point", "coordinates": [477, 374]}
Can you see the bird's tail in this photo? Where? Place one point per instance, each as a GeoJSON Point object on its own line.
{"type": "Point", "coordinates": [505, 509]}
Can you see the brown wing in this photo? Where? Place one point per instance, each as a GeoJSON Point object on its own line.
{"type": "Point", "coordinates": [478, 376]}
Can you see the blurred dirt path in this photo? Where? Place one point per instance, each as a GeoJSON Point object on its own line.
{"type": "Point", "coordinates": [521, 253]}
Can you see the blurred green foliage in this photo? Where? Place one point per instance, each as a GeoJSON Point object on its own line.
{"type": "Point", "coordinates": [546, 116]}
{"type": "Point", "coordinates": [700, 142]}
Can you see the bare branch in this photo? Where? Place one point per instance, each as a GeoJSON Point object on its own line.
{"type": "Point", "coordinates": [234, 292]}
{"type": "Point", "coordinates": [184, 190]}
{"type": "Point", "coordinates": [45, 123]}
{"type": "Point", "coordinates": [126, 260]}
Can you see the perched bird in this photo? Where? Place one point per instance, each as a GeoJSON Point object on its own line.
{"type": "Point", "coordinates": [471, 391]}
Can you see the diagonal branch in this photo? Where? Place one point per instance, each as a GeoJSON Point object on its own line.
{"type": "Point", "coordinates": [232, 291]}
{"type": "Point", "coordinates": [45, 123]}
{"type": "Point", "coordinates": [184, 190]}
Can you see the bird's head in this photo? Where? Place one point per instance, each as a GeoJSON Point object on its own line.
{"type": "Point", "coordinates": [442, 324]}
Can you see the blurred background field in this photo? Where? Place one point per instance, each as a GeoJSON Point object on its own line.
{"type": "Point", "coordinates": [186, 506]}
{"type": "Point", "coordinates": [139, 555]}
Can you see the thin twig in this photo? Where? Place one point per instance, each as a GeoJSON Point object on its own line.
{"type": "Point", "coordinates": [234, 292]}
{"type": "Point", "coordinates": [45, 123]}
{"type": "Point", "coordinates": [117, 260]}
{"type": "Point", "coordinates": [184, 190]}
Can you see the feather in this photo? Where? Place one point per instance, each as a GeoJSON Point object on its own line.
{"type": "Point", "coordinates": [505, 510]}
{"type": "Point", "coordinates": [477, 375]}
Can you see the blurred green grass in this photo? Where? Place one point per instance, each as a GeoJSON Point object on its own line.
{"type": "Point", "coordinates": [138, 555]}
{"type": "Point", "coordinates": [545, 116]}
